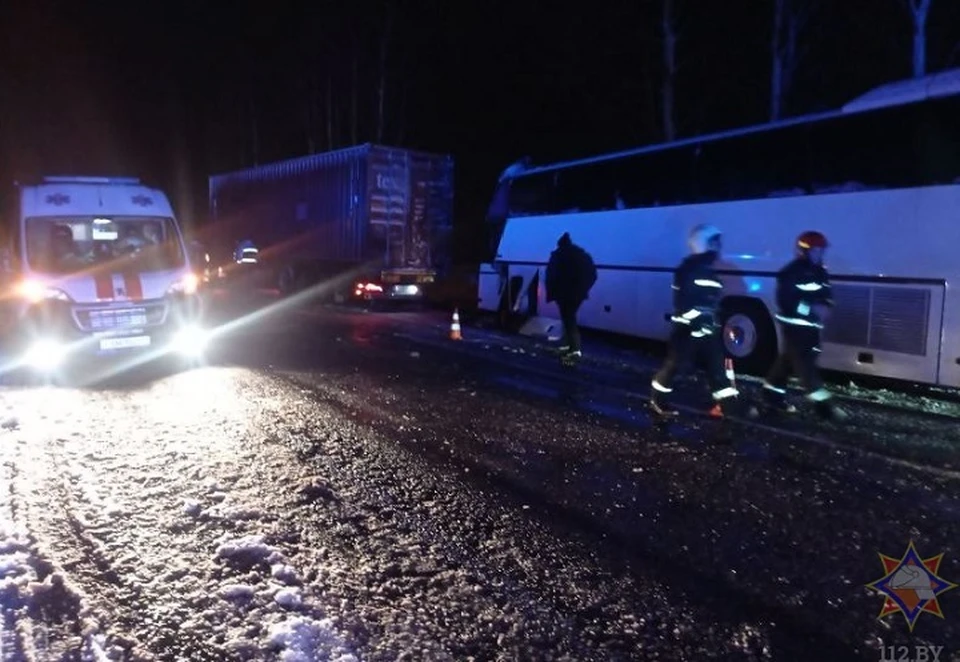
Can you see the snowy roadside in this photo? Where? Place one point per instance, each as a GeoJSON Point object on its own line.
{"type": "Point", "coordinates": [127, 540]}
{"type": "Point", "coordinates": [30, 585]}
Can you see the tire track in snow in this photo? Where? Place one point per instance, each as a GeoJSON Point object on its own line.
{"type": "Point", "coordinates": [105, 497]}
{"type": "Point", "coordinates": [44, 614]}
{"type": "Point", "coordinates": [11, 648]}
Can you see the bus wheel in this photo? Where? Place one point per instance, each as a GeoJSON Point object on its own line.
{"type": "Point", "coordinates": [749, 337]}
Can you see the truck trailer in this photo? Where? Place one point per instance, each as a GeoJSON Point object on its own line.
{"type": "Point", "coordinates": [366, 222]}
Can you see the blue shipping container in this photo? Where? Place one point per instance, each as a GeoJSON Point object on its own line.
{"type": "Point", "coordinates": [383, 206]}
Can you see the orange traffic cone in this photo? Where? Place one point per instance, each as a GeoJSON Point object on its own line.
{"type": "Point", "coordinates": [731, 375]}
{"type": "Point", "coordinates": [455, 326]}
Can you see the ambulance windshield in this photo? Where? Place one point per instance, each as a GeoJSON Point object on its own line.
{"type": "Point", "coordinates": [72, 244]}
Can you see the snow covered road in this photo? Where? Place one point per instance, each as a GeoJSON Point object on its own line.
{"type": "Point", "coordinates": [334, 490]}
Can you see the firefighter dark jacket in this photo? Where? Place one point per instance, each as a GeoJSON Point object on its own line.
{"type": "Point", "coordinates": [802, 287]}
{"type": "Point", "coordinates": [696, 293]}
{"type": "Point", "coordinates": [571, 273]}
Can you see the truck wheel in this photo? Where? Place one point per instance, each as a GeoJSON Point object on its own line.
{"type": "Point", "coordinates": [749, 336]}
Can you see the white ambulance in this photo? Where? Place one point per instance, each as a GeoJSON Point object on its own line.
{"type": "Point", "coordinates": [96, 266]}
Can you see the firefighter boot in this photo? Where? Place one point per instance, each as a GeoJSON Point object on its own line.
{"type": "Point", "coordinates": [828, 411]}
{"type": "Point", "coordinates": [659, 404]}
{"type": "Point", "coordinates": [775, 401]}
{"type": "Point", "coordinates": [570, 359]}
{"type": "Point", "coordinates": [735, 407]}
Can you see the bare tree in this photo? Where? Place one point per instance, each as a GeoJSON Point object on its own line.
{"type": "Point", "coordinates": [310, 108]}
{"type": "Point", "coordinates": [254, 129]}
{"type": "Point", "coordinates": [249, 127]}
{"type": "Point", "coordinates": [790, 17]}
{"type": "Point", "coordinates": [354, 95]}
{"type": "Point", "coordinates": [330, 122]}
{"type": "Point", "coordinates": [401, 116]}
{"type": "Point", "coordinates": [919, 11]}
{"type": "Point", "coordinates": [382, 75]}
{"type": "Point", "coordinates": [669, 36]}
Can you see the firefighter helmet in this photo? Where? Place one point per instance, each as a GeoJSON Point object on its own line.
{"type": "Point", "coordinates": [700, 237]}
{"type": "Point", "coordinates": [811, 239]}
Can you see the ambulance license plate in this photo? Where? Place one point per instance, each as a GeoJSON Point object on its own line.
{"type": "Point", "coordinates": [124, 343]}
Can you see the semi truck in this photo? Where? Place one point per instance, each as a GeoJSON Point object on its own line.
{"type": "Point", "coordinates": [367, 222]}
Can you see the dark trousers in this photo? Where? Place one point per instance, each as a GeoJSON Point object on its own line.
{"type": "Point", "coordinates": [800, 352]}
{"type": "Point", "coordinates": [571, 332]}
{"type": "Point", "coordinates": [686, 348]}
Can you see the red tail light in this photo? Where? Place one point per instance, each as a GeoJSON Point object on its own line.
{"type": "Point", "coordinates": [367, 287]}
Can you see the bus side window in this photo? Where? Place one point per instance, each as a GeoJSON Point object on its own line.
{"type": "Point", "coordinates": [590, 187]}
{"type": "Point", "coordinates": [753, 166]}
{"type": "Point", "coordinates": [938, 134]}
{"type": "Point", "coordinates": [669, 176]}
{"type": "Point", "coordinates": [534, 195]}
{"type": "Point", "coordinates": [863, 151]}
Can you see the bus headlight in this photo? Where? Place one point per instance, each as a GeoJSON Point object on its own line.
{"type": "Point", "coordinates": [45, 354]}
{"type": "Point", "coordinates": [190, 341]}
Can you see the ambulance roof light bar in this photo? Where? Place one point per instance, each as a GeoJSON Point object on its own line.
{"type": "Point", "coordinates": [68, 179]}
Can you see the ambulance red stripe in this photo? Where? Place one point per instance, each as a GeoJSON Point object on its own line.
{"type": "Point", "coordinates": [104, 286]}
{"type": "Point", "coordinates": [133, 286]}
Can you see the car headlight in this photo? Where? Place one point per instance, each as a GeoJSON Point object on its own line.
{"type": "Point", "coordinates": [186, 285]}
{"type": "Point", "coordinates": [35, 292]}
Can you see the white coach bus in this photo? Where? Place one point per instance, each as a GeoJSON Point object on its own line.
{"type": "Point", "coordinates": [880, 177]}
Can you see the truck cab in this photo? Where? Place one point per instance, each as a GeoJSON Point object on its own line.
{"type": "Point", "coordinates": [94, 267]}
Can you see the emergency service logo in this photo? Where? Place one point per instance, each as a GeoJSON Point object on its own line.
{"type": "Point", "coordinates": [911, 585]}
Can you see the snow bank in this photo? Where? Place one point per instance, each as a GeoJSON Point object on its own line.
{"type": "Point", "coordinates": [16, 571]}
{"type": "Point", "coordinates": [237, 592]}
{"type": "Point", "coordinates": [284, 573]}
{"type": "Point", "coordinates": [306, 640]}
{"type": "Point", "coordinates": [250, 549]}
{"type": "Point", "coordinates": [295, 637]}
{"type": "Point", "coordinates": [289, 598]}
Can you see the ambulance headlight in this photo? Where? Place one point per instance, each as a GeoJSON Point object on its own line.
{"type": "Point", "coordinates": [45, 355]}
{"type": "Point", "coordinates": [186, 285]}
{"type": "Point", "coordinates": [190, 341]}
{"type": "Point", "coordinates": [35, 292]}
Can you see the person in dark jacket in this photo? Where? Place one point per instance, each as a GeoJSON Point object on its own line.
{"type": "Point", "coordinates": [697, 291]}
{"type": "Point", "coordinates": [571, 274]}
{"type": "Point", "coordinates": [803, 298]}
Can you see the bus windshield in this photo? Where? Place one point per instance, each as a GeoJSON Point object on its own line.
{"type": "Point", "coordinates": [71, 244]}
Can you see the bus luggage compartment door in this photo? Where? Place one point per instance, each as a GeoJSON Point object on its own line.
{"type": "Point", "coordinates": [885, 329]}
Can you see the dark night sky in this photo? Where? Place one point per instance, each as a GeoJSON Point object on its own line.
{"type": "Point", "coordinates": [166, 90]}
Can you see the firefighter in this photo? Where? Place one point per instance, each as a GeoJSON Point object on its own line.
{"type": "Point", "coordinates": [803, 299]}
{"type": "Point", "coordinates": [696, 297]}
{"type": "Point", "coordinates": [570, 276]}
